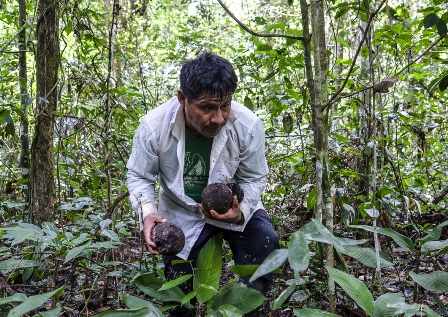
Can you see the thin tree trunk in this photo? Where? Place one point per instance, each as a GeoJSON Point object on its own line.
{"type": "Point", "coordinates": [24, 163]}
{"type": "Point", "coordinates": [42, 156]}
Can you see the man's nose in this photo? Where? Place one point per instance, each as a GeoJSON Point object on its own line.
{"type": "Point", "coordinates": [217, 117]}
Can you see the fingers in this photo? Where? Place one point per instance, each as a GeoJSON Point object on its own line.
{"type": "Point", "coordinates": [148, 224]}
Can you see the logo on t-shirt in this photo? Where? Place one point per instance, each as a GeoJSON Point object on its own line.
{"type": "Point", "coordinates": [195, 171]}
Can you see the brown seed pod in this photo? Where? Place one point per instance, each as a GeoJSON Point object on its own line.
{"type": "Point", "coordinates": [217, 197]}
{"type": "Point", "coordinates": [169, 238]}
{"type": "Point", "coordinates": [236, 190]}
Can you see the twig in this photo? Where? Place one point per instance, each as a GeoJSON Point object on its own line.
{"type": "Point", "coordinates": [366, 30]}
{"type": "Point", "coordinates": [110, 210]}
{"type": "Point", "coordinates": [244, 27]}
{"type": "Point", "coordinates": [5, 285]}
{"type": "Point", "coordinates": [440, 196]}
{"type": "Point", "coordinates": [335, 97]}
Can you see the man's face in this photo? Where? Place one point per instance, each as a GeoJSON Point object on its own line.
{"type": "Point", "coordinates": [205, 115]}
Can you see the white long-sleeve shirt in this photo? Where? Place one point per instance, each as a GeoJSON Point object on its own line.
{"type": "Point", "coordinates": [158, 152]}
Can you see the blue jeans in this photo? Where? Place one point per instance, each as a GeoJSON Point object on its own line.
{"type": "Point", "coordinates": [251, 246]}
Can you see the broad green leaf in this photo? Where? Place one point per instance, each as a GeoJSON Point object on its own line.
{"type": "Point", "coordinates": [142, 312]}
{"type": "Point", "coordinates": [284, 296]}
{"type": "Point", "coordinates": [441, 27]}
{"type": "Point", "coordinates": [245, 299]}
{"type": "Point", "coordinates": [443, 84]}
{"type": "Point", "coordinates": [50, 313]}
{"type": "Point", "coordinates": [75, 252]}
{"type": "Point", "coordinates": [298, 253]}
{"type": "Point", "coordinates": [229, 311]}
{"type": "Point", "coordinates": [429, 312]}
{"type": "Point", "coordinates": [175, 282]}
{"type": "Point", "coordinates": [11, 264]}
{"type": "Point", "coordinates": [244, 270]}
{"type": "Point", "coordinates": [272, 262]}
{"type": "Point", "coordinates": [430, 20]}
{"type": "Point", "coordinates": [366, 256]}
{"type": "Point", "coordinates": [406, 309]}
{"type": "Point", "coordinates": [435, 281]}
{"type": "Point", "coordinates": [314, 227]}
{"type": "Point", "coordinates": [383, 192]}
{"type": "Point", "coordinates": [208, 269]}
{"type": "Point", "coordinates": [110, 234]}
{"type": "Point", "coordinates": [309, 312]}
{"type": "Point", "coordinates": [150, 285]}
{"type": "Point", "coordinates": [104, 223]}
{"type": "Point", "coordinates": [399, 239]}
{"type": "Point", "coordinates": [434, 234]}
{"type": "Point", "coordinates": [34, 302]}
{"type": "Point", "coordinates": [381, 304]}
{"type": "Point", "coordinates": [188, 297]}
{"type": "Point", "coordinates": [432, 246]}
{"type": "Point", "coordinates": [354, 288]}
{"type": "Point", "coordinates": [137, 303]}
{"type": "Point", "coordinates": [17, 297]}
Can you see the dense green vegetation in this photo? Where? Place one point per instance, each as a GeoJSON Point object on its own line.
{"type": "Point", "coordinates": [375, 185]}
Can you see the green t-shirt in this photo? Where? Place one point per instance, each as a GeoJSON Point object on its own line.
{"type": "Point", "coordinates": [196, 164]}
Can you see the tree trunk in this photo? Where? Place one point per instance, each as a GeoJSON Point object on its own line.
{"type": "Point", "coordinates": [24, 163]}
{"type": "Point", "coordinates": [42, 156]}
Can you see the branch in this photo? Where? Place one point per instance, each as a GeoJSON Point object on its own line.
{"type": "Point", "coordinates": [335, 98]}
{"type": "Point", "coordinates": [244, 27]}
{"type": "Point", "coordinates": [111, 209]}
{"type": "Point", "coordinates": [440, 196]}
{"type": "Point", "coordinates": [366, 30]}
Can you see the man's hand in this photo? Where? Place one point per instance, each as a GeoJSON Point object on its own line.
{"type": "Point", "coordinates": [148, 224]}
{"type": "Point", "coordinates": [233, 215]}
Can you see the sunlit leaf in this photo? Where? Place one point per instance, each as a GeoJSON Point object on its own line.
{"type": "Point", "coordinates": [272, 262]}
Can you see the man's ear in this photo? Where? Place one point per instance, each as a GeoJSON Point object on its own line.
{"type": "Point", "coordinates": [181, 97]}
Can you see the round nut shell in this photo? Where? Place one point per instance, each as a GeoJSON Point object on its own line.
{"type": "Point", "coordinates": [169, 238]}
{"type": "Point", "coordinates": [217, 197]}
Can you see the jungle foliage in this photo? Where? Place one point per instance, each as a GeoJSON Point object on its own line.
{"type": "Point", "coordinates": [387, 155]}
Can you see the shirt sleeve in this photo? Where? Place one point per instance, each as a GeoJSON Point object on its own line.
{"type": "Point", "coordinates": [143, 169]}
{"type": "Point", "coordinates": [253, 169]}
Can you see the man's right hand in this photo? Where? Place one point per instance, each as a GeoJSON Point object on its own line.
{"type": "Point", "coordinates": [148, 224]}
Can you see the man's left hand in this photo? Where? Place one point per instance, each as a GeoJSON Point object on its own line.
{"type": "Point", "coordinates": [233, 215]}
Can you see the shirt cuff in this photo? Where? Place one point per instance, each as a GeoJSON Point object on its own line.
{"type": "Point", "coordinates": [147, 209]}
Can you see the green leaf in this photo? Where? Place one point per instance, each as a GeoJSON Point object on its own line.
{"type": "Point", "coordinates": [12, 264]}
{"type": "Point", "coordinates": [284, 296]}
{"type": "Point", "coordinates": [150, 285]}
{"type": "Point", "coordinates": [229, 311]}
{"type": "Point", "coordinates": [245, 299]}
{"type": "Point", "coordinates": [399, 239]}
{"type": "Point", "coordinates": [208, 269]}
{"type": "Point", "coordinates": [429, 312]}
{"type": "Point", "coordinates": [441, 27]}
{"type": "Point", "coordinates": [244, 270]}
{"type": "Point", "coordinates": [248, 103]}
{"type": "Point", "coordinates": [309, 312]}
{"type": "Point", "coordinates": [272, 262]}
{"type": "Point", "coordinates": [298, 253]}
{"type": "Point", "coordinates": [137, 303]}
{"type": "Point", "coordinates": [175, 282]}
{"type": "Point", "coordinates": [34, 302]}
{"type": "Point", "coordinates": [354, 288]}
{"type": "Point", "coordinates": [434, 234]}
{"type": "Point", "coordinates": [142, 312]}
{"type": "Point", "coordinates": [342, 42]}
{"type": "Point", "coordinates": [50, 313]}
{"type": "Point", "coordinates": [443, 84]}
{"type": "Point", "coordinates": [366, 256]}
{"type": "Point", "coordinates": [17, 297]}
{"type": "Point", "coordinates": [435, 281]}
{"type": "Point", "coordinates": [75, 252]}
{"type": "Point", "coordinates": [383, 192]}
{"type": "Point", "coordinates": [110, 234]}
{"type": "Point", "coordinates": [432, 246]}
{"type": "Point", "coordinates": [430, 20]}
{"type": "Point", "coordinates": [188, 297]}
{"type": "Point", "coordinates": [311, 199]}
{"type": "Point", "coordinates": [381, 305]}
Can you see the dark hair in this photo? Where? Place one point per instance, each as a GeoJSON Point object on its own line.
{"type": "Point", "coordinates": [207, 73]}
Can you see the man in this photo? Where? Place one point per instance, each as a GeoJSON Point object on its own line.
{"type": "Point", "coordinates": [201, 137]}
